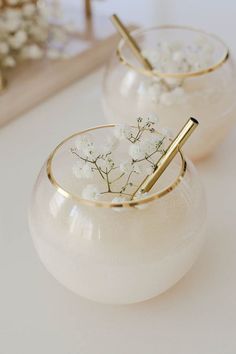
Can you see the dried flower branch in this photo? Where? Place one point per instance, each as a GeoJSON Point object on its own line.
{"type": "Point", "coordinates": [119, 178]}
{"type": "Point", "coordinates": [175, 57]}
{"type": "Point", "coordinates": [27, 32]}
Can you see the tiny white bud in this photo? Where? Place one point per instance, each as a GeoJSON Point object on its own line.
{"type": "Point", "coordinates": [178, 56]}
{"type": "Point", "coordinates": [90, 192]}
{"type": "Point", "coordinates": [53, 54]}
{"type": "Point", "coordinates": [4, 48]}
{"type": "Point", "coordinates": [153, 118]}
{"type": "Point", "coordinates": [32, 51]}
{"type": "Point", "coordinates": [18, 39]}
{"type": "Point", "coordinates": [12, 2]}
{"type": "Point", "coordinates": [28, 10]}
{"type": "Point", "coordinates": [9, 62]}
{"type": "Point", "coordinates": [167, 132]}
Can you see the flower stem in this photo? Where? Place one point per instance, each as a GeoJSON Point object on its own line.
{"type": "Point", "coordinates": [116, 179]}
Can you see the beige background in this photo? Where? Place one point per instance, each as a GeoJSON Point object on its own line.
{"type": "Point", "coordinates": [37, 315]}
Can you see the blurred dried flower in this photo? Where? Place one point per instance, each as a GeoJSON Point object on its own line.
{"type": "Point", "coordinates": [26, 29]}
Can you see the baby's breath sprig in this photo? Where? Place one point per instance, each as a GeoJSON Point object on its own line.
{"type": "Point", "coordinates": [145, 146]}
{"type": "Point", "coordinates": [175, 57]}
{"type": "Point", "coordinates": [28, 31]}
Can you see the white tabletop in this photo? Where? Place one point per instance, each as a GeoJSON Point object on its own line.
{"type": "Point", "coordinates": [38, 315]}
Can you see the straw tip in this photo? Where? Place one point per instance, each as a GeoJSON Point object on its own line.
{"type": "Point", "coordinates": [194, 120]}
{"type": "Point", "coordinates": [113, 16]}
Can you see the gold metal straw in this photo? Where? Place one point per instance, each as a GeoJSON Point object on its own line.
{"type": "Point", "coordinates": [165, 160]}
{"type": "Point", "coordinates": [2, 82]}
{"type": "Point", "coordinates": [88, 9]}
{"type": "Point", "coordinates": [131, 41]}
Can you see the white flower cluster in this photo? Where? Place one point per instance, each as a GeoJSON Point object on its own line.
{"type": "Point", "coordinates": [25, 30]}
{"type": "Point", "coordinates": [175, 57]}
{"type": "Point", "coordinates": [90, 192]}
{"type": "Point", "coordinates": [82, 169]}
{"type": "Point", "coordinates": [143, 147]}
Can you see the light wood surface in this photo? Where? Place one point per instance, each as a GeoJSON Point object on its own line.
{"type": "Point", "coordinates": [33, 82]}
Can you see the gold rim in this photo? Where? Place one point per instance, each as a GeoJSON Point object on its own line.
{"type": "Point", "coordinates": [146, 72]}
{"type": "Point", "coordinates": [128, 204]}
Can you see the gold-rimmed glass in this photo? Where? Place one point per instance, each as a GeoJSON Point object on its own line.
{"type": "Point", "coordinates": [210, 91]}
{"type": "Point", "coordinates": [116, 252]}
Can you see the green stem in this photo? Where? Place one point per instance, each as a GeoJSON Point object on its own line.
{"type": "Point", "coordinates": [108, 182]}
{"type": "Point", "coordinates": [92, 162]}
{"type": "Point", "coordinates": [116, 179]}
{"type": "Point", "coordinates": [98, 169]}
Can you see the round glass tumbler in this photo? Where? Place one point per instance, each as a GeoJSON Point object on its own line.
{"type": "Point", "coordinates": [116, 252]}
{"type": "Point", "coordinates": [193, 75]}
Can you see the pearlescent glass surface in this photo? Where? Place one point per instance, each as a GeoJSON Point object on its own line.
{"type": "Point", "coordinates": [207, 92]}
{"type": "Point", "coordinates": [116, 255]}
